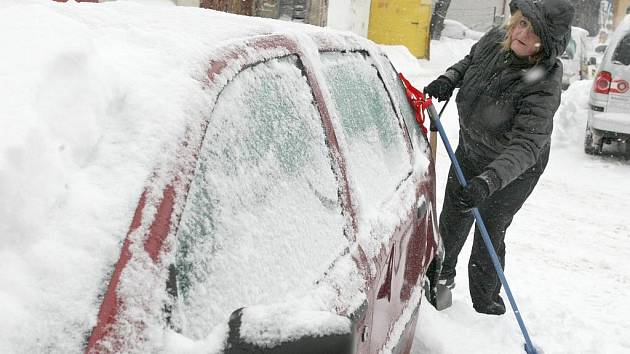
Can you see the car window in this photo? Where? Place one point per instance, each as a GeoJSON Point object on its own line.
{"type": "Point", "coordinates": [569, 53]}
{"type": "Point", "coordinates": [601, 48]}
{"type": "Point", "coordinates": [622, 52]}
{"type": "Point", "coordinates": [378, 158]}
{"type": "Point", "coordinates": [400, 99]}
{"type": "Point", "coordinates": [262, 216]}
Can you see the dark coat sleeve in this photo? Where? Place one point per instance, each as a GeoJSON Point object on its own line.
{"type": "Point", "coordinates": [531, 128]}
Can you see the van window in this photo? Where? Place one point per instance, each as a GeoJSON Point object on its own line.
{"type": "Point", "coordinates": [377, 156]}
{"type": "Point", "coordinates": [264, 190]}
{"type": "Point", "coordinates": [622, 52]}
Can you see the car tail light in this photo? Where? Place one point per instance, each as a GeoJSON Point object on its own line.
{"type": "Point", "coordinates": [619, 86]}
{"type": "Point", "coordinates": [602, 82]}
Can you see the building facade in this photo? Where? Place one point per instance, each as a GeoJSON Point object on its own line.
{"type": "Point", "coordinates": [479, 15]}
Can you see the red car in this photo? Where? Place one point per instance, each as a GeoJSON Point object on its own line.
{"type": "Point", "coordinates": [298, 217]}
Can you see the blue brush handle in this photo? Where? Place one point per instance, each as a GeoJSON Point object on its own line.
{"type": "Point", "coordinates": [435, 118]}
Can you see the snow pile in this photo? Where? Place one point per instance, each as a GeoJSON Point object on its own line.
{"type": "Point", "coordinates": [457, 30]}
{"type": "Point", "coordinates": [86, 113]}
{"type": "Point", "coordinates": [570, 119]}
{"type": "Point", "coordinates": [403, 60]}
{"type": "Point", "coordinates": [444, 53]}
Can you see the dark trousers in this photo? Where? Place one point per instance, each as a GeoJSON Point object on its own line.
{"type": "Point", "coordinates": [497, 213]}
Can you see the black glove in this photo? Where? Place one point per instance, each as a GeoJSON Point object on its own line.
{"type": "Point", "coordinates": [473, 194]}
{"type": "Point", "coordinates": [440, 88]}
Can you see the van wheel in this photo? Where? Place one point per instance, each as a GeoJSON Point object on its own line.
{"type": "Point", "coordinates": [591, 148]}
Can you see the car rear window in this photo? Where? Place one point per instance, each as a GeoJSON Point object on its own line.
{"type": "Point", "coordinates": [622, 52]}
{"type": "Point", "coordinates": [378, 157]}
{"type": "Point", "coordinates": [262, 216]}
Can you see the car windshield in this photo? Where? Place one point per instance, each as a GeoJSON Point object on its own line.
{"type": "Point", "coordinates": [622, 52]}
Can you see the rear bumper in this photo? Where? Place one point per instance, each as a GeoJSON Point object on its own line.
{"type": "Point", "coordinates": [609, 136]}
{"type": "Point", "coordinates": [609, 122]}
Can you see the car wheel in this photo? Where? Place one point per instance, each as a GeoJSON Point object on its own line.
{"type": "Point", "coordinates": [590, 147]}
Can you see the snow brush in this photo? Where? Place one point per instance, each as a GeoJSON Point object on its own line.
{"type": "Point", "coordinates": [420, 103]}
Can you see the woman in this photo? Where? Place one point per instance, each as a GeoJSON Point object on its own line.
{"type": "Point", "coordinates": [509, 89]}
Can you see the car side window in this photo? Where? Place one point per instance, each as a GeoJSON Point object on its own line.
{"type": "Point", "coordinates": [622, 52]}
{"type": "Point", "coordinates": [400, 99]}
{"type": "Point", "coordinates": [264, 190]}
{"type": "Point", "coordinates": [378, 156]}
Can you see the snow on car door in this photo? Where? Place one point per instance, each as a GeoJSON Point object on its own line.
{"type": "Point", "coordinates": [378, 159]}
{"type": "Point", "coordinates": [262, 217]}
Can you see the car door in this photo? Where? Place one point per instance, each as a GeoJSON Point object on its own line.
{"type": "Point", "coordinates": [263, 216]}
{"type": "Point", "coordinates": [378, 154]}
{"type": "Point", "coordinates": [426, 211]}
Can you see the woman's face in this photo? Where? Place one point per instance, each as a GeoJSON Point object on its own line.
{"type": "Point", "coordinates": [525, 42]}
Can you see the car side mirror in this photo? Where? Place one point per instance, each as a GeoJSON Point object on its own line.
{"type": "Point", "coordinates": [592, 61]}
{"type": "Point", "coordinates": [318, 333]}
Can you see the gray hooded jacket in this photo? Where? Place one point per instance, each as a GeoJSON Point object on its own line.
{"type": "Point", "coordinates": [506, 104]}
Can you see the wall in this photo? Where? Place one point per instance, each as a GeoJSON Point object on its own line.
{"type": "Point", "coordinates": [318, 13]}
{"type": "Point", "coordinates": [477, 14]}
{"type": "Point", "coordinates": [349, 15]}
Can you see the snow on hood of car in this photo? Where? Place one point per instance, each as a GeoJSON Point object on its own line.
{"type": "Point", "coordinates": [94, 97]}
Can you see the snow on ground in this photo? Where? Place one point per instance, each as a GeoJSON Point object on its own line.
{"type": "Point", "coordinates": [567, 250]}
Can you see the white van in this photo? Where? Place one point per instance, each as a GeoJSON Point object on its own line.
{"type": "Point", "coordinates": [609, 101]}
{"type": "Point", "coordinates": [574, 59]}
